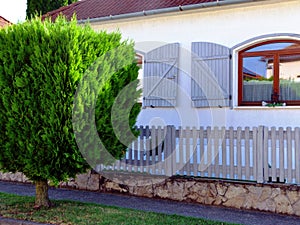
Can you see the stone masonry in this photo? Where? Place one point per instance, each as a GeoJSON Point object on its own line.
{"type": "Point", "coordinates": [271, 197]}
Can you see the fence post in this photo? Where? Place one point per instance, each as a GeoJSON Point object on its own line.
{"type": "Point", "coordinates": [260, 154]}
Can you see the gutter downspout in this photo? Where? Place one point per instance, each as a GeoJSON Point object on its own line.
{"type": "Point", "coordinates": [167, 10]}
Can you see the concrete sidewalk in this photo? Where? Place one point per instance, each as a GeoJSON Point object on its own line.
{"type": "Point", "coordinates": [155, 205]}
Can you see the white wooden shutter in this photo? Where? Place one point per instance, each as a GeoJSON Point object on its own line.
{"type": "Point", "coordinates": [161, 76]}
{"type": "Point", "coordinates": [210, 75]}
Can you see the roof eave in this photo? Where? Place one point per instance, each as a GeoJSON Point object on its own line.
{"type": "Point", "coordinates": [167, 10]}
{"type": "Point", "coordinates": [6, 20]}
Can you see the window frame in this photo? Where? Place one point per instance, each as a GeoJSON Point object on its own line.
{"type": "Point", "coordinates": [274, 53]}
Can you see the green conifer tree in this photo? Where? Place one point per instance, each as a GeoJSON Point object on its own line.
{"type": "Point", "coordinates": [41, 67]}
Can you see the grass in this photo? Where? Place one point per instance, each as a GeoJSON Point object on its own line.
{"type": "Point", "coordinates": [70, 212]}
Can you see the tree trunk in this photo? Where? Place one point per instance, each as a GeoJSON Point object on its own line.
{"type": "Point", "coordinates": [41, 194]}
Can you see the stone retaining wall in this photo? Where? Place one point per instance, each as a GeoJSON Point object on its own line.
{"type": "Point", "coordinates": [277, 198]}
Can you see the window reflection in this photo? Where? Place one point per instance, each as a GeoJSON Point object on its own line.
{"type": "Point", "coordinates": [257, 78]}
{"type": "Point", "coordinates": [270, 72]}
{"type": "Point", "coordinates": [289, 77]}
{"type": "Point", "coordinates": [274, 46]}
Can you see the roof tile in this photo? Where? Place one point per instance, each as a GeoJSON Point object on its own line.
{"type": "Point", "coordinates": [85, 9]}
{"type": "Point", "coordinates": [4, 22]}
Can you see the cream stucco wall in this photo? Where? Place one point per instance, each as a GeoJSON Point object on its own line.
{"type": "Point", "coordinates": [226, 25]}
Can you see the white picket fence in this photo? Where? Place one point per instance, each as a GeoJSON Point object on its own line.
{"type": "Point", "coordinates": [258, 154]}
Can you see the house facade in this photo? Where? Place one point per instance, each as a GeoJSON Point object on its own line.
{"type": "Point", "coordinates": [195, 54]}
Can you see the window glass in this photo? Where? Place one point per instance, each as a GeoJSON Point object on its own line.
{"type": "Point", "coordinates": [274, 46]}
{"type": "Point", "coordinates": [257, 78]}
{"type": "Point", "coordinates": [270, 73]}
{"type": "Point", "coordinates": [289, 77]}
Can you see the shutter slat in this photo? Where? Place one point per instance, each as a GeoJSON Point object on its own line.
{"type": "Point", "coordinates": [210, 75]}
{"type": "Point", "coordinates": [161, 76]}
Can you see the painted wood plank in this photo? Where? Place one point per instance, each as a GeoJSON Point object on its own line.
{"type": "Point", "coordinates": [188, 151]}
{"type": "Point", "coordinates": [216, 155]}
{"type": "Point", "coordinates": [135, 153]}
{"type": "Point", "coordinates": [273, 153]}
{"type": "Point", "coordinates": [160, 139]}
{"type": "Point", "coordinates": [129, 159]}
{"type": "Point", "coordinates": [265, 150]}
{"type": "Point", "coordinates": [224, 153]}
{"type": "Point", "coordinates": [209, 151]}
{"type": "Point", "coordinates": [231, 150]}
{"type": "Point", "coordinates": [254, 148]}
{"type": "Point", "coordinates": [297, 154]}
{"type": "Point", "coordinates": [173, 151]}
{"type": "Point", "coordinates": [141, 148]}
{"type": "Point", "coordinates": [239, 152]}
{"type": "Point", "coordinates": [289, 154]}
{"type": "Point", "coordinates": [247, 153]}
{"type": "Point", "coordinates": [202, 164]}
{"type": "Point", "coordinates": [195, 150]}
{"type": "Point", "coordinates": [281, 154]}
{"type": "Point", "coordinates": [181, 150]}
{"type": "Point", "coordinates": [148, 148]}
{"type": "Point", "coordinates": [154, 150]}
{"type": "Point", "coordinates": [168, 153]}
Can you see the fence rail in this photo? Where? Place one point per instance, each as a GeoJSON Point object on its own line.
{"type": "Point", "coordinates": [259, 154]}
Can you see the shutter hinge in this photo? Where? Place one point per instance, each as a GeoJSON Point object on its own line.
{"type": "Point", "coordinates": [230, 97]}
{"type": "Point", "coordinates": [230, 56]}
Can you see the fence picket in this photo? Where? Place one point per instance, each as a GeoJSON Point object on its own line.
{"type": "Point", "coordinates": [201, 166]}
{"type": "Point", "coordinates": [148, 148]}
{"type": "Point", "coordinates": [289, 154]}
{"type": "Point", "coordinates": [265, 150]}
{"type": "Point", "coordinates": [187, 151]}
{"type": "Point", "coordinates": [281, 154]}
{"type": "Point", "coordinates": [209, 151]}
{"type": "Point", "coordinates": [254, 150]}
{"type": "Point", "coordinates": [224, 153]}
{"type": "Point", "coordinates": [160, 140]}
{"type": "Point", "coordinates": [168, 153]}
{"type": "Point", "coordinates": [195, 151]}
{"type": "Point", "coordinates": [129, 159]}
{"type": "Point", "coordinates": [154, 150]}
{"type": "Point", "coordinates": [135, 151]}
{"type": "Point", "coordinates": [231, 144]}
{"type": "Point", "coordinates": [173, 150]}
{"type": "Point", "coordinates": [239, 152]}
{"type": "Point", "coordinates": [247, 153]}
{"type": "Point", "coordinates": [141, 148]}
{"type": "Point", "coordinates": [216, 155]}
{"type": "Point", "coordinates": [260, 155]}
{"type": "Point", "coordinates": [273, 154]}
{"type": "Point", "coordinates": [297, 154]}
{"type": "Point", "coordinates": [181, 155]}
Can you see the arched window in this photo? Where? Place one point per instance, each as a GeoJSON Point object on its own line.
{"type": "Point", "coordinates": [270, 72]}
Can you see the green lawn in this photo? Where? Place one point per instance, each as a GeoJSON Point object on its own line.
{"type": "Point", "coordinates": [70, 212]}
